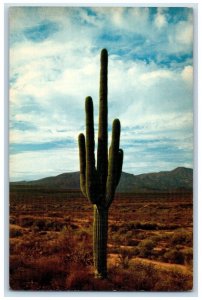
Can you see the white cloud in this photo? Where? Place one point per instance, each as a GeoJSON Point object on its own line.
{"type": "Point", "coordinates": [52, 78]}
{"type": "Point", "coordinates": [117, 17]}
{"type": "Point", "coordinates": [150, 77]}
{"type": "Point", "coordinates": [184, 33]}
{"type": "Point", "coordinates": [160, 19]}
{"type": "Point", "coordinates": [187, 75]}
{"type": "Point", "coordinates": [180, 37]}
{"type": "Point", "coordinates": [42, 163]}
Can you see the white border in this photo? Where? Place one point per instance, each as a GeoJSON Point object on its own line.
{"type": "Point", "coordinates": [4, 156]}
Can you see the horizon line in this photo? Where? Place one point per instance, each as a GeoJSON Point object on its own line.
{"type": "Point", "coordinates": [24, 180]}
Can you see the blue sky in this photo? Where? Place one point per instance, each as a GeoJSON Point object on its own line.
{"type": "Point", "coordinates": [54, 65]}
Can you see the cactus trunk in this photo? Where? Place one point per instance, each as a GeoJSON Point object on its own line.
{"type": "Point", "coordinates": [99, 184]}
{"type": "Point", "coordinates": [100, 234]}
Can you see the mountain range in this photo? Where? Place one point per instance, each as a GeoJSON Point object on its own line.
{"type": "Point", "coordinates": [179, 179]}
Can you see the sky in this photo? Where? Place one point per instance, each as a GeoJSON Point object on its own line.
{"type": "Point", "coordinates": [54, 62]}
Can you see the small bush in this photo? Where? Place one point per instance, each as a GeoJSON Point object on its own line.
{"type": "Point", "coordinates": [145, 247]}
{"type": "Point", "coordinates": [143, 277]}
{"type": "Point", "coordinates": [188, 256]}
{"type": "Point", "coordinates": [36, 274]}
{"type": "Point", "coordinates": [174, 280]}
{"type": "Point", "coordinates": [15, 231]}
{"type": "Point", "coordinates": [182, 238]}
{"type": "Point", "coordinates": [133, 242]}
{"type": "Point", "coordinates": [136, 251]}
{"type": "Point", "coordinates": [174, 256]}
{"type": "Point", "coordinates": [78, 280]}
{"type": "Point", "coordinates": [124, 258]}
{"type": "Point", "coordinates": [12, 220]}
{"type": "Point", "coordinates": [26, 221]}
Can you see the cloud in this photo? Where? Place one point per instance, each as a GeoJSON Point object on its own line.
{"type": "Point", "coordinates": [54, 65]}
{"type": "Point", "coordinates": [27, 147]}
{"type": "Point", "coordinates": [160, 19]}
{"type": "Point", "coordinates": [42, 163]}
{"type": "Point", "coordinates": [41, 32]}
{"type": "Point", "coordinates": [187, 75]}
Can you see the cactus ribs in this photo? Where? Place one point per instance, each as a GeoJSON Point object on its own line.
{"type": "Point", "coordinates": [99, 184]}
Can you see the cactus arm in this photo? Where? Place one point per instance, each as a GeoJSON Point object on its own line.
{"type": "Point", "coordinates": [99, 184]}
{"type": "Point", "coordinates": [102, 152]}
{"type": "Point", "coordinates": [91, 182]}
{"type": "Point", "coordinates": [113, 157]}
{"type": "Point", "coordinates": [82, 159]}
{"type": "Point", "coordinates": [119, 165]}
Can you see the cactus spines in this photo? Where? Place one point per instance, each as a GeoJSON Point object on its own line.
{"type": "Point", "coordinates": [99, 184]}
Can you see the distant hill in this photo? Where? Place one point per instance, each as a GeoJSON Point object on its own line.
{"type": "Point", "coordinates": [179, 179]}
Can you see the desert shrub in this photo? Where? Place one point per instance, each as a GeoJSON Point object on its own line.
{"type": "Point", "coordinates": [149, 226]}
{"type": "Point", "coordinates": [123, 230]}
{"type": "Point", "coordinates": [114, 250]}
{"type": "Point", "coordinates": [79, 280]}
{"type": "Point", "coordinates": [39, 224]}
{"type": "Point", "coordinates": [36, 274]}
{"type": "Point", "coordinates": [136, 251]}
{"type": "Point", "coordinates": [124, 258]}
{"type": "Point", "coordinates": [138, 277]}
{"type": "Point", "coordinates": [147, 277]}
{"type": "Point", "coordinates": [133, 242]}
{"type": "Point", "coordinates": [188, 256]}
{"type": "Point", "coordinates": [178, 247]}
{"type": "Point", "coordinates": [145, 247]}
{"type": "Point", "coordinates": [45, 264]}
{"type": "Point", "coordinates": [73, 226]}
{"type": "Point", "coordinates": [141, 235]}
{"type": "Point", "coordinates": [22, 277]}
{"type": "Point", "coordinates": [31, 245]}
{"type": "Point", "coordinates": [15, 261]}
{"type": "Point", "coordinates": [174, 280]}
{"type": "Point", "coordinates": [128, 235]}
{"type": "Point", "coordinates": [182, 238]}
{"type": "Point", "coordinates": [43, 224]}
{"type": "Point", "coordinates": [130, 227]}
{"type": "Point", "coordinates": [120, 278]}
{"type": "Point", "coordinates": [102, 285]}
{"type": "Point", "coordinates": [48, 269]}
{"type": "Point", "coordinates": [158, 254]}
{"type": "Point", "coordinates": [135, 225]}
{"type": "Point", "coordinates": [12, 220]}
{"type": "Point", "coordinates": [83, 280]}
{"type": "Point", "coordinates": [174, 256]}
{"type": "Point", "coordinates": [84, 234]}
{"type": "Point", "coordinates": [67, 219]}
{"type": "Point", "coordinates": [75, 249]}
{"type": "Point", "coordinates": [124, 240]}
{"type": "Point", "coordinates": [116, 238]}
{"type": "Point", "coordinates": [83, 256]}
{"type": "Point", "coordinates": [25, 221]}
{"type": "Point", "coordinates": [12, 246]}
{"type": "Point", "coordinates": [15, 231]}
{"type": "Point", "coordinates": [113, 227]}
{"type": "Point", "coordinates": [158, 238]}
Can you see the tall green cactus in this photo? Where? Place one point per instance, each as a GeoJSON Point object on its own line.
{"type": "Point", "coordinates": [99, 184]}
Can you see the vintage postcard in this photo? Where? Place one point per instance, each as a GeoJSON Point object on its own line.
{"type": "Point", "coordinates": [101, 148]}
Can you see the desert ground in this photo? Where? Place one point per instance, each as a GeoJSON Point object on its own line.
{"type": "Point", "coordinates": [150, 241]}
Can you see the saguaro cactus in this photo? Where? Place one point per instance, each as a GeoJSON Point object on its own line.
{"type": "Point", "coordinates": [99, 184]}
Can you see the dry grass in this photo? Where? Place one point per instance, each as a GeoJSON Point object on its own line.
{"type": "Point", "coordinates": [51, 242]}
